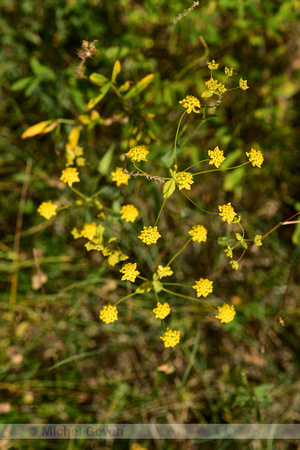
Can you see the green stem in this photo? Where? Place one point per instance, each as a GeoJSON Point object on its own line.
{"type": "Point", "coordinates": [189, 298]}
{"type": "Point", "coordinates": [71, 122]}
{"type": "Point", "coordinates": [140, 170]}
{"type": "Point", "coordinates": [127, 296]}
{"type": "Point", "coordinates": [175, 256]}
{"type": "Point", "coordinates": [203, 210]}
{"type": "Point", "coordinates": [221, 169]}
{"type": "Point", "coordinates": [199, 162]}
{"type": "Point", "coordinates": [79, 193]}
{"type": "Point", "coordinates": [163, 204]}
{"type": "Point", "coordinates": [176, 136]}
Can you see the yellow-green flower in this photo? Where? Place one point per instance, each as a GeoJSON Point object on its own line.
{"type": "Point", "coordinates": [89, 231]}
{"type": "Point", "coordinates": [243, 84]}
{"type": "Point", "coordinates": [234, 264]}
{"type": "Point", "coordinates": [255, 157]}
{"type": "Point", "coordinates": [129, 213]}
{"type": "Point", "coordinates": [199, 233]}
{"type": "Point", "coordinates": [164, 271]}
{"type": "Point", "coordinates": [171, 338]}
{"type": "Point", "coordinates": [149, 235]}
{"type": "Point", "coordinates": [47, 209]}
{"type": "Point", "coordinates": [228, 72]}
{"type": "Point", "coordinates": [184, 180]}
{"type": "Point", "coordinates": [109, 314]}
{"type": "Point", "coordinates": [226, 313]}
{"type": "Point", "coordinates": [76, 234]}
{"type": "Point", "coordinates": [257, 240]}
{"type": "Point", "coordinates": [227, 212]}
{"type": "Point", "coordinates": [137, 153]}
{"type": "Point", "coordinates": [70, 176]}
{"type": "Point", "coordinates": [191, 103]}
{"type": "Point", "coordinates": [212, 84]}
{"type": "Point", "coordinates": [162, 311]}
{"type": "Point", "coordinates": [228, 251]}
{"type": "Point", "coordinates": [80, 162]}
{"type": "Point", "coordinates": [203, 287]}
{"type": "Point", "coordinates": [212, 65]}
{"type": "Point", "coordinates": [114, 256]}
{"type": "Point", "coordinates": [129, 272]}
{"type": "Point", "coordinates": [216, 156]}
{"type": "Point", "coordinates": [120, 177]}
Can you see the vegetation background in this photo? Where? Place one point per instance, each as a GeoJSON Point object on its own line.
{"type": "Point", "coordinates": [59, 364]}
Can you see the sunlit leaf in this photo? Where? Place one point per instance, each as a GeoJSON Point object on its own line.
{"type": "Point", "coordinates": [140, 86]}
{"type": "Point", "coordinates": [116, 71]}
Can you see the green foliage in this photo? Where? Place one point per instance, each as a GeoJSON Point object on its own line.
{"type": "Point", "coordinates": [58, 362]}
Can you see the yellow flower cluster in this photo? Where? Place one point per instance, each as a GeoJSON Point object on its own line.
{"type": "Point", "coordinates": [47, 209]}
{"type": "Point", "coordinates": [243, 84]}
{"type": "Point", "coordinates": [120, 177]}
{"type": "Point", "coordinates": [129, 272]}
{"type": "Point", "coordinates": [184, 180]}
{"type": "Point", "coordinates": [255, 157]}
{"type": "Point", "coordinates": [164, 271]}
{"type": "Point", "coordinates": [77, 153]}
{"type": "Point", "coordinates": [162, 311]}
{"type": "Point", "coordinates": [191, 103]}
{"type": "Point", "coordinates": [203, 287]}
{"type": "Point", "coordinates": [89, 231]}
{"type": "Point", "coordinates": [228, 72]}
{"type": "Point", "coordinates": [149, 235]}
{"type": "Point", "coordinates": [171, 338]}
{"type": "Point", "coordinates": [213, 85]}
{"type": "Point", "coordinates": [257, 240]}
{"type": "Point", "coordinates": [227, 212]}
{"type": "Point", "coordinates": [70, 176]}
{"type": "Point", "coordinates": [138, 153]}
{"type": "Point", "coordinates": [216, 156]}
{"type": "Point", "coordinates": [109, 314]}
{"type": "Point", "coordinates": [129, 213]}
{"type": "Point", "coordinates": [226, 313]}
{"type": "Point", "coordinates": [234, 264]}
{"type": "Point", "coordinates": [199, 233]}
{"type": "Point", "coordinates": [212, 65]}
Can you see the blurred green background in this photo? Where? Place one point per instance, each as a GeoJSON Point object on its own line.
{"type": "Point", "coordinates": [59, 364]}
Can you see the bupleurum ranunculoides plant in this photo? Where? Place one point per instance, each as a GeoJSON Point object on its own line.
{"type": "Point", "coordinates": [97, 235]}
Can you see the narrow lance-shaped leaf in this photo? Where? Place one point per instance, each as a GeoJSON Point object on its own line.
{"type": "Point", "coordinates": [98, 79]}
{"type": "Point", "coordinates": [103, 91]}
{"type": "Point", "coordinates": [38, 128]}
{"type": "Point", "coordinates": [140, 86]}
{"type": "Point", "coordinates": [116, 71]}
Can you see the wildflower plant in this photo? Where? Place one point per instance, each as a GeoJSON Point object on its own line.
{"type": "Point", "coordinates": [122, 178]}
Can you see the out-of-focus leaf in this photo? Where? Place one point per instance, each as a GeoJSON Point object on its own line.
{"type": "Point", "coordinates": [41, 71]}
{"type": "Point", "coordinates": [116, 71]}
{"type": "Point", "coordinates": [38, 128]}
{"type": "Point", "coordinates": [124, 86]}
{"type": "Point", "coordinates": [233, 179]}
{"type": "Point", "coordinates": [140, 86]}
{"type": "Point", "coordinates": [103, 91]}
{"type": "Point", "coordinates": [21, 84]}
{"type": "Point", "coordinates": [105, 161]}
{"type": "Point", "coordinates": [169, 188]}
{"type": "Point", "coordinates": [207, 94]}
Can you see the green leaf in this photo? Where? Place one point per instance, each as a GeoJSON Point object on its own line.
{"type": "Point", "coordinates": [41, 71]}
{"type": "Point", "coordinates": [124, 87]}
{"type": "Point", "coordinates": [116, 71]}
{"type": "Point", "coordinates": [224, 240]}
{"type": "Point", "coordinates": [98, 79]}
{"type": "Point", "coordinates": [233, 179]}
{"type": "Point", "coordinates": [141, 86]}
{"type": "Point", "coordinates": [103, 91]}
{"type": "Point", "coordinates": [169, 188]}
{"type": "Point", "coordinates": [207, 94]}
{"type": "Point", "coordinates": [145, 287]}
{"type": "Point", "coordinates": [21, 84]}
{"type": "Point", "coordinates": [105, 161]}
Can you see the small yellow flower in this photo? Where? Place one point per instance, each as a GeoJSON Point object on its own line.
{"type": "Point", "coordinates": [221, 88]}
{"type": "Point", "coordinates": [212, 84]}
{"type": "Point", "coordinates": [191, 103]}
{"type": "Point", "coordinates": [138, 153]}
{"type": "Point", "coordinates": [243, 84]}
{"type": "Point", "coordinates": [228, 251]}
{"type": "Point", "coordinates": [162, 311]}
{"type": "Point", "coordinates": [212, 65]}
{"type": "Point", "coordinates": [228, 72]}
{"type": "Point", "coordinates": [255, 157]}
{"type": "Point", "coordinates": [171, 338]}
{"type": "Point", "coordinates": [199, 233]}
{"type": "Point", "coordinates": [80, 162]}
{"type": "Point", "coordinates": [70, 176]}
{"type": "Point", "coordinates": [114, 256]}
{"type": "Point", "coordinates": [89, 231]}
{"type": "Point", "coordinates": [226, 313]}
{"type": "Point", "coordinates": [76, 234]}
{"type": "Point", "coordinates": [120, 177]}
{"type": "Point", "coordinates": [164, 271]}
{"type": "Point", "coordinates": [149, 235]}
{"type": "Point", "coordinates": [234, 264]}
{"type": "Point", "coordinates": [129, 272]}
{"type": "Point", "coordinates": [47, 209]}
{"type": "Point", "coordinates": [257, 240]}
{"type": "Point", "coordinates": [184, 180]}
{"type": "Point", "coordinates": [129, 213]}
{"type": "Point", "coordinates": [109, 314]}
{"type": "Point", "coordinates": [216, 156]}
{"type": "Point", "coordinates": [203, 287]}
{"type": "Point", "coordinates": [227, 212]}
